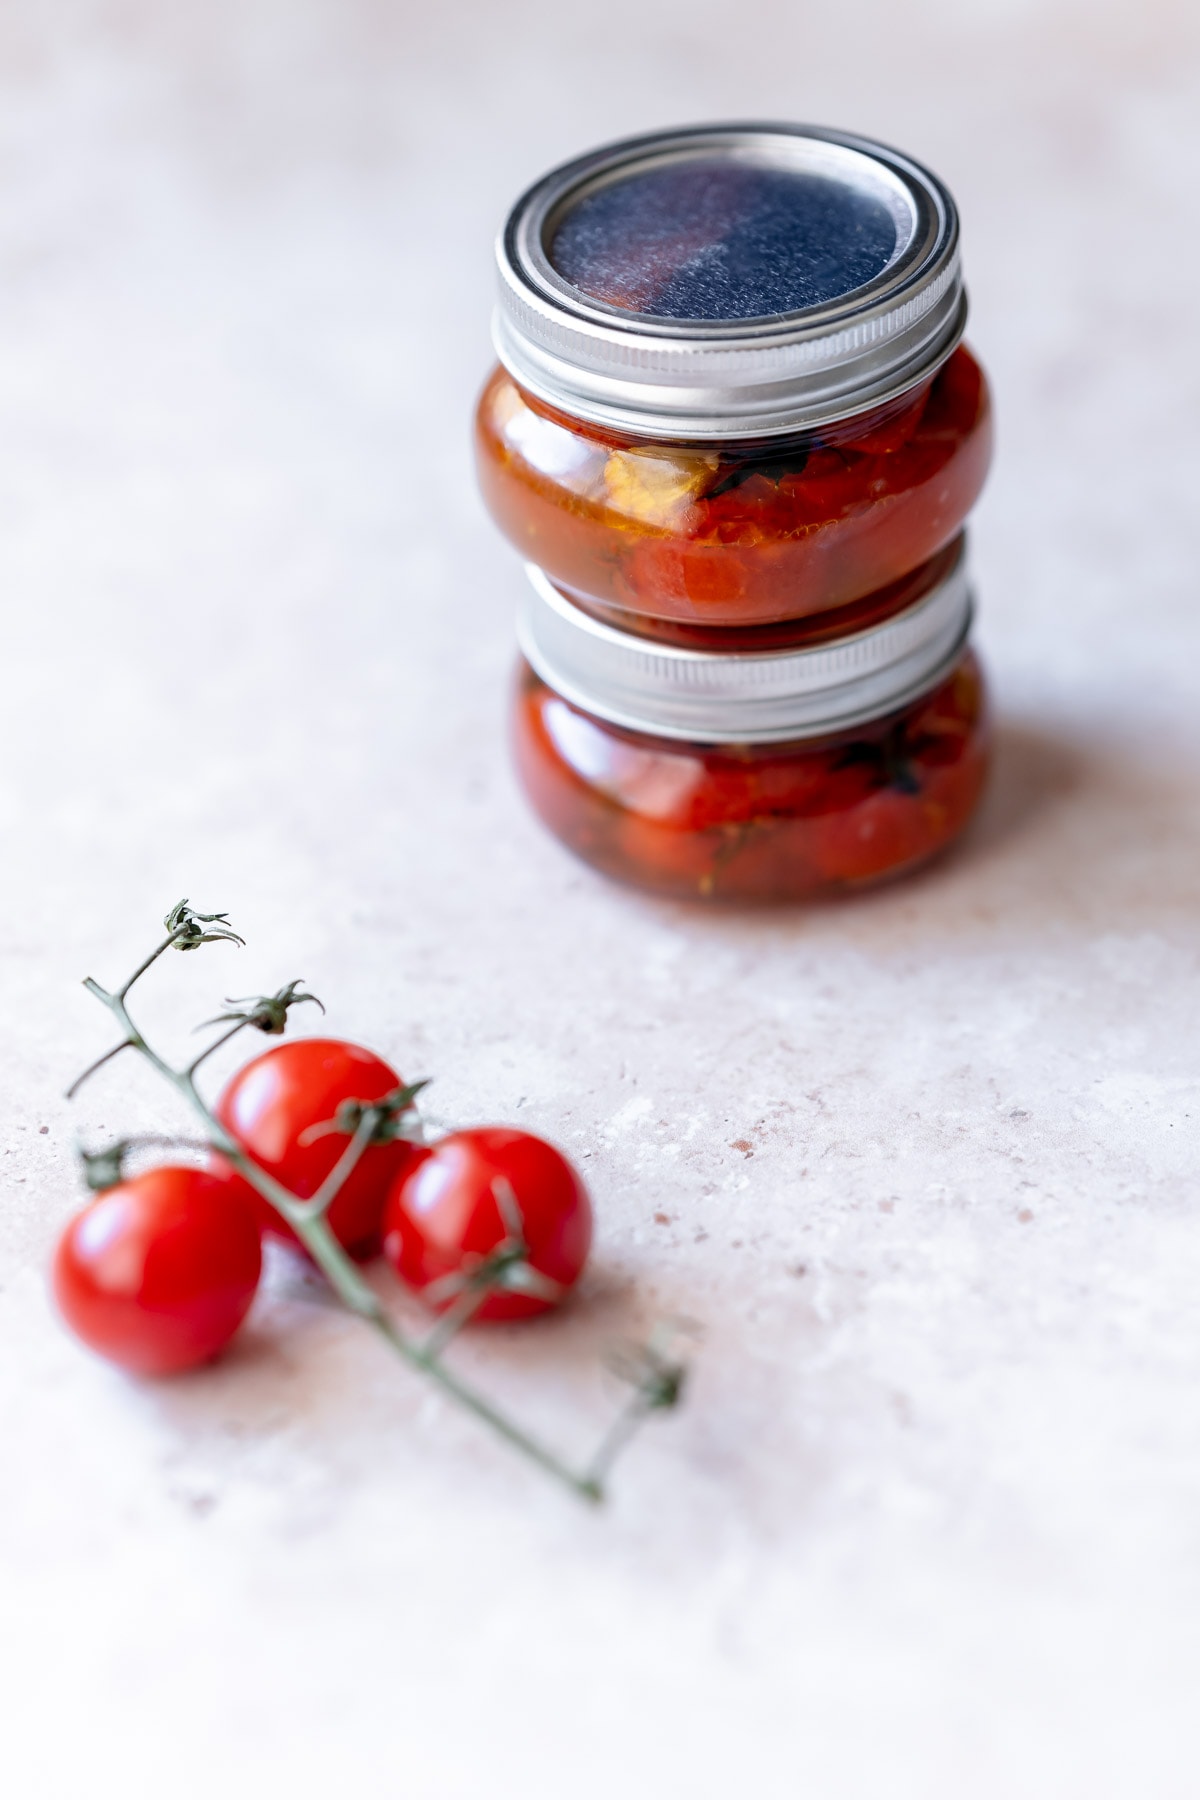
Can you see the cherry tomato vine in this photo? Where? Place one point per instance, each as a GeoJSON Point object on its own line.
{"type": "Point", "coordinates": [487, 1223]}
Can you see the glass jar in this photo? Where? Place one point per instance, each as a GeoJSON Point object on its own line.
{"type": "Point", "coordinates": [740, 535]}
{"type": "Point", "coordinates": [732, 389]}
{"type": "Point", "coordinates": [736, 433]}
{"type": "Point", "coordinates": [760, 774]}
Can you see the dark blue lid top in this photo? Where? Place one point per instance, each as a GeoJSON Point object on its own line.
{"type": "Point", "coordinates": [724, 281]}
{"type": "Point", "coordinates": [722, 240]}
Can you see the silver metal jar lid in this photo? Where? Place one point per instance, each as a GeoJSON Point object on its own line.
{"type": "Point", "coordinates": [739, 697]}
{"type": "Point", "coordinates": [850, 246]}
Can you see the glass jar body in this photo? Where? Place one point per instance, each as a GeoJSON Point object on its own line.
{"type": "Point", "coordinates": [736, 534]}
{"type": "Point", "coordinates": [757, 822]}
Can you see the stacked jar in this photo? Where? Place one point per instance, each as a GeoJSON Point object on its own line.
{"type": "Point", "coordinates": [735, 433]}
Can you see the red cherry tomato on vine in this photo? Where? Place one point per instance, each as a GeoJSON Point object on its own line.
{"type": "Point", "coordinates": [445, 1217]}
{"type": "Point", "coordinates": [272, 1105]}
{"type": "Point", "coordinates": [159, 1271]}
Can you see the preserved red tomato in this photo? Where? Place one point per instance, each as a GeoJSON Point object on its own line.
{"type": "Point", "coordinates": [736, 534]}
{"type": "Point", "coordinates": [768, 821]}
{"type": "Point", "coordinates": [817, 628]}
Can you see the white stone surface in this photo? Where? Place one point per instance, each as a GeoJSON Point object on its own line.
{"type": "Point", "coordinates": [928, 1526]}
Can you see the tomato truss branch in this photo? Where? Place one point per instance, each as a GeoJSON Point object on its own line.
{"type": "Point", "coordinates": [656, 1383]}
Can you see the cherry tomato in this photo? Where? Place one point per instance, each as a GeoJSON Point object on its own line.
{"type": "Point", "coordinates": [158, 1272]}
{"type": "Point", "coordinates": [444, 1217]}
{"type": "Point", "coordinates": [272, 1105]}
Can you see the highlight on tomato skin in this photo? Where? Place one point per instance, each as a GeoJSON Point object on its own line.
{"type": "Point", "coordinates": [158, 1272]}
{"type": "Point", "coordinates": [444, 1217]}
{"type": "Point", "coordinates": [274, 1106]}
{"type": "Point", "coordinates": [765, 822]}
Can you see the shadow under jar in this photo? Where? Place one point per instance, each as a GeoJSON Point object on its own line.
{"type": "Point", "coordinates": [776, 774]}
{"type": "Point", "coordinates": [732, 388]}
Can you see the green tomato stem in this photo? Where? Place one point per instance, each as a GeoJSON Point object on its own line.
{"type": "Point", "coordinates": [307, 1219]}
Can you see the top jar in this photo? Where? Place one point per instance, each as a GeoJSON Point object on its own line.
{"type": "Point", "coordinates": [732, 389]}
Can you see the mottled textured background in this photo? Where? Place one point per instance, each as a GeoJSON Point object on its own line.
{"type": "Point", "coordinates": [928, 1526]}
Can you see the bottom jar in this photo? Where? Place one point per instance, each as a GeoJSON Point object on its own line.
{"type": "Point", "coordinates": [753, 777]}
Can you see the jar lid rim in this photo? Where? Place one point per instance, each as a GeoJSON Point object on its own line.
{"type": "Point", "coordinates": [739, 696]}
{"type": "Point", "coordinates": [723, 378]}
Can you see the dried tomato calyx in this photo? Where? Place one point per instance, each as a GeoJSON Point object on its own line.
{"type": "Point", "coordinates": [656, 1378]}
{"type": "Point", "coordinates": [265, 1012]}
{"type": "Point", "coordinates": [187, 927]}
{"type": "Point", "coordinates": [104, 1169]}
{"type": "Point", "coordinates": [394, 1116]}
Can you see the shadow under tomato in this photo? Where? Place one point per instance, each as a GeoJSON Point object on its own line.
{"type": "Point", "coordinates": [301, 1363]}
